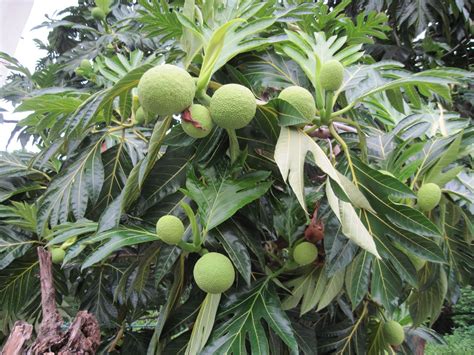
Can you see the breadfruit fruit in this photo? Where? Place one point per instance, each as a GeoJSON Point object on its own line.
{"type": "Point", "coordinates": [85, 64]}
{"type": "Point", "coordinates": [170, 229]}
{"type": "Point", "coordinates": [301, 99]}
{"type": "Point", "coordinates": [393, 333]}
{"type": "Point", "coordinates": [57, 255]}
{"type": "Point", "coordinates": [98, 14]}
{"type": "Point", "coordinates": [305, 253]}
{"type": "Point", "coordinates": [428, 196]}
{"type": "Point", "coordinates": [166, 89]}
{"type": "Point", "coordinates": [140, 116]}
{"type": "Point", "coordinates": [196, 121]}
{"type": "Point", "coordinates": [331, 75]}
{"type": "Point", "coordinates": [233, 106]}
{"type": "Point", "coordinates": [214, 273]}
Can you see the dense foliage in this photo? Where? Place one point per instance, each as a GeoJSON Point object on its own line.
{"type": "Point", "coordinates": [102, 177]}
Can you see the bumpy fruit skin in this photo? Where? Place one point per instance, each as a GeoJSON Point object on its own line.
{"type": "Point", "coordinates": [429, 196]}
{"type": "Point", "coordinates": [331, 75]}
{"type": "Point", "coordinates": [85, 64]}
{"type": "Point", "coordinates": [57, 255]}
{"type": "Point", "coordinates": [301, 99]}
{"type": "Point", "coordinates": [393, 333]}
{"type": "Point", "coordinates": [98, 14]}
{"type": "Point", "coordinates": [166, 89]}
{"type": "Point", "coordinates": [305, 253]}
{"type": "Point", "coordinates": [140, 116]}
{"type": "Point", "coordinates": [202, 116]}
{"type": "Point", "coordinates": [233, 106]}
{"type": "Point", "coordinates": [170, 229]}
{"type": "Point", "coordinates": [214, 273]}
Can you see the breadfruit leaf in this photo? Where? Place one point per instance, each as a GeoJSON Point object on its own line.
{"type": "Point", "coordinates": [241, 319]}
{"type": "Point", "coordinates": [352, 226]}
{"type": "Point", "coordinates": [219, 198]}
{"type": "Point", "coordinates": [436, 174]}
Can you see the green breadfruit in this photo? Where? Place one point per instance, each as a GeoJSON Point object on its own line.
{"type": "Point", "coordinates": [428, 196]}
{"type": "Point", "coordinates": [305, 253]}
{"type": "Point", "coordinates": [170, 229]}
{"type": "Point", "coordinates": [86, 65]}
{"type": "Point", "coordinates": [166, 89]}
{"type": "Point", "coordinates": [196, 121]}
{"type": "Point", "coordinates": [57, 255]}
{"type": "Point", "coordinates": [140, 116]}
{"type": "Point", "coordinates": [214, 273]}
{"type": "Point", "coordinates": [393, 333]}
{"type": "Point", "coordinates": [98, 14]}
{"type": "Point", "coordinates": [233, 106]}
{"type": "Point", "coordinates": [331, 75]}
{"type": "Point", "coordinates": [301, 99]}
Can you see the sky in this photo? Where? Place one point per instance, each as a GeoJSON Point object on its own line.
{"type": "Point", "coordinates": [27, 53]}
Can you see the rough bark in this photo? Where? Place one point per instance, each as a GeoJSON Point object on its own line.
{"type": "Point", "coordinates": [50, 327]}
{"type": "Point", "coordinates": [20, 334]}
{"type": "Point", "coordinates": [82, 337]}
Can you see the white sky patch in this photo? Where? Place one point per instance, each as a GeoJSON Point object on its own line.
{"type": "Point", "coordinates": [28, 54]}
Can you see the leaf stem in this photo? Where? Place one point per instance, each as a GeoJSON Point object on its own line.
{"type": "Point", "coordinates": [343, 110]}
{"type": "Point", "coordinates": [203, 98]}
{"type": "Point", "coordinates": [362, 140]}
{"type": "Point", "coordinates": [234, 148]}
{"type": "Point", "coordinates": [344, 147]}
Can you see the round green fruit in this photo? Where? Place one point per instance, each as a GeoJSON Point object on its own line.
{"type": "Point", "coordinates": [233, 106]}
{"type": "Point", "coordinates": [170, 229]}
{"type": "Point", "coordinates": [140, 116]}
{"type": "Point", "coordinates": [86, 65]}
{"type": "Point", "coordinates": [305, 253]}
{"type": "Point", "coordinates": [166, 89]}
{"type": "Point", "coordinates": [98, 14]}
{"type": "Point", "coordinates": [57, 255]}
{"type": "Point", "coordinates": [214, 273]}
{"type": "Point", "coordinates": [301, 99]}
{"type": "Point", "coordinates": [331, 75]}
{"type": "Point", "coordinates": [428, 196]}
{"type": "Point", "coordinates": [196, 121]}
{"type": "Point", "coordinates": [393, 333]}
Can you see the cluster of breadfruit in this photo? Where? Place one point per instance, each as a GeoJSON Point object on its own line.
{"type": "Point", "coordinates": [167, 89]}
{"type": "Point", "coordinates": [213, 272]}
{"type": "Point", "coordinates": [99, 14]}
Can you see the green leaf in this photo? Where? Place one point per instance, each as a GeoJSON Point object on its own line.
{"type": "Point", "coordinates": [332, 289]}
{"type": "Point", "coordinates": [70, 190]}
{"type": "Point", "coordinates": [436, 174]}
{"type": "Point", "coordinates": [426, 302]}
{"type": "Point", "coordinates": [204, 323]}
{"type": "Point", "coordinates": [386, 286]}
{"type": "Point", "coordinates": [247, 311]}
{"type": "Point", "coordinates": [219, 198]}
{"type": "Point", "coordinates": [358, 278]}
{"type": "Point", "coordinates": [233, 244]}
{"type": "Point", "coordinates": [114, 240]}
{"type": "Point", "coordinates": [18, 284]}
{"type": "Point", "coordinates": [378, 187]}
{"type": "Point", "coordinates": [13, 244]}
{"type": "Point", "coordinates": [212, 53]}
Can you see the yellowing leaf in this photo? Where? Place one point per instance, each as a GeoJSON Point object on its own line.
{"type": "Point", "coordinates": [352, 227]}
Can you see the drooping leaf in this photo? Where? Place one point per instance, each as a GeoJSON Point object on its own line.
{"type": "Point", "coordinates": [204, 323]}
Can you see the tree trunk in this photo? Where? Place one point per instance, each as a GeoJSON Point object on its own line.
{"type": "Point", "coordinates": [82, 337]}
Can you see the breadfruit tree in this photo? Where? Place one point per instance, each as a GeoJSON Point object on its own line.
{"type": "Point", "coordinates": [216, 177]}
